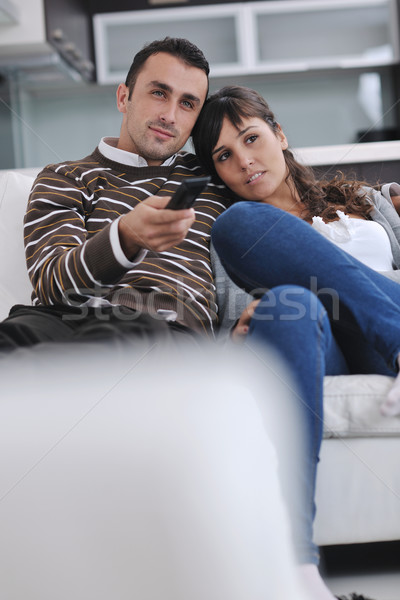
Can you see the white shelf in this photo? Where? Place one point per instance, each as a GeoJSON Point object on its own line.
{"type": "Point", "coordinates": [257, 37]}
{"type": "Point", "coordinates": [349, 153]}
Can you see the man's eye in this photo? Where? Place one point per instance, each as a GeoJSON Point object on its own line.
{"type": "Point", "coordinates": [187, 104]}
{"type": "Point", "coordinates": [158, 93]}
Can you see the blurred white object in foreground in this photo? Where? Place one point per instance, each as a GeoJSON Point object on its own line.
{"type": "Point", "coordinates": [140, 475]}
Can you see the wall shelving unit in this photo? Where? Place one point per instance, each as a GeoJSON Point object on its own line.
{"type": "Point", "coordinates": [249, 38]}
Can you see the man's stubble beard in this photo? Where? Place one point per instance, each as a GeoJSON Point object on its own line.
{"type": "Point", "coordinates": [155, 149]}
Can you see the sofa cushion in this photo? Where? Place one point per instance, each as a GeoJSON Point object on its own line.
{"type": "Point", "coordinates": [15, 287]}
{"type": "Point", "coordinates": [352, 406]}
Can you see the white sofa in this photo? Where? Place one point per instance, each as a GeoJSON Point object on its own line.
{"type": "Point", "coordinates": [358, 487]}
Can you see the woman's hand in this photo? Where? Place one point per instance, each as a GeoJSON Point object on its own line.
{"type": "Point", "coordinates": [241, 328]}
{"type": "Point", "coordinates": [396, 203]}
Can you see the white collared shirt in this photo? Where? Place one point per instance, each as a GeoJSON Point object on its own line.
{"type": "Point", "coordinates": [108, 148]}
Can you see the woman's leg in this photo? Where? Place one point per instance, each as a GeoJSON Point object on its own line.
{"type": "Point", "coordinates": [262, 246]}
{"type": "Point", "coordinates": [293, 321]}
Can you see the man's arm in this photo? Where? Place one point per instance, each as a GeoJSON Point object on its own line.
{"type": "Point", "coordinates": [67, 265]}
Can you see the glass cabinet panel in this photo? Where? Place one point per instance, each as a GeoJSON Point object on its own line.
{"type": "Point", "coordinates": [324, 34]}
{"type": "Point", "coordinates": [213, 30]}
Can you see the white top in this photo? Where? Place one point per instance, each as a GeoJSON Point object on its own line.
{"type": "Point", "coordinates": [366, 240]}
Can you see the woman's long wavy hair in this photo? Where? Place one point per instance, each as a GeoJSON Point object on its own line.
{"type": "Point", "coordinates": [320, 197]}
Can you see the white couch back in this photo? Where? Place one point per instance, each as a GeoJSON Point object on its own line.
{"type": "Point", "coordinates": [15, 286]}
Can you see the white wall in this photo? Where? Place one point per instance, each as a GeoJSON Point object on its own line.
{"type": "Point", "coordinates": [66, 126]}
{"type": "Point", "coordinates": [322, 109]}
{"type": "Point", "coordinates": [314, 111]}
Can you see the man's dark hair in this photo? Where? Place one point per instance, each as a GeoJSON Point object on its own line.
{"type": "Point", "coordinates": [179, 47]}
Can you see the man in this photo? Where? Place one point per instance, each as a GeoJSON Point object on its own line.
{"type": "Point", "coordinates": [104, 254]}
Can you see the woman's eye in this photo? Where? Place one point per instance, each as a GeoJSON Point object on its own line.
{"type": "Point", "coordinates": [223, 156]}
{"type": "Point", "coordinates": [251, 139]}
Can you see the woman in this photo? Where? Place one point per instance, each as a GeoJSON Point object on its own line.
{"type": "Point", "coordinates": [328, 310]}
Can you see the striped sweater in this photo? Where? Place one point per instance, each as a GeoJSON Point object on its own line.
{"type": "Point", "coordinates": [69, 252]}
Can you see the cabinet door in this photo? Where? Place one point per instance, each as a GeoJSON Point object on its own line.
{"type": "Point", "coordinates": [299, 35]}
{"type": "Point", "coordinates": [214, 29]}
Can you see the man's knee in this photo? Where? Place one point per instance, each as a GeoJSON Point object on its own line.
{"type": "Point", "coordinates": [29, 325]}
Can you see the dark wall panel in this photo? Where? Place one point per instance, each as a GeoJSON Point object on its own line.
{"type": "Point", "coordinates": [69, 29]}
{"type": "Point", "coordinates": [103, 6]}
{"type": "Point", "coordinates": [371, 172]}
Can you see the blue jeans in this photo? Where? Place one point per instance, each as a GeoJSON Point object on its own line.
{"type": "Point", "coordinates": [325, 312]}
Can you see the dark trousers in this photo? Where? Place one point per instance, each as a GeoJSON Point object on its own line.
{"type": "Point", "coordinates": [31, 325]}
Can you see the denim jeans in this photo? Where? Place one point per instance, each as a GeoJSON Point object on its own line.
{"type": "Point", "coordinates": [325, 312]}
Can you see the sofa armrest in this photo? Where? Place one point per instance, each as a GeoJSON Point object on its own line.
{"type": "Point", "coordinates": [15, 287]}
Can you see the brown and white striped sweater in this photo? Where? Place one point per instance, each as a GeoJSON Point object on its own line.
{"type": "Point", "coordinates": [68, 248]}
